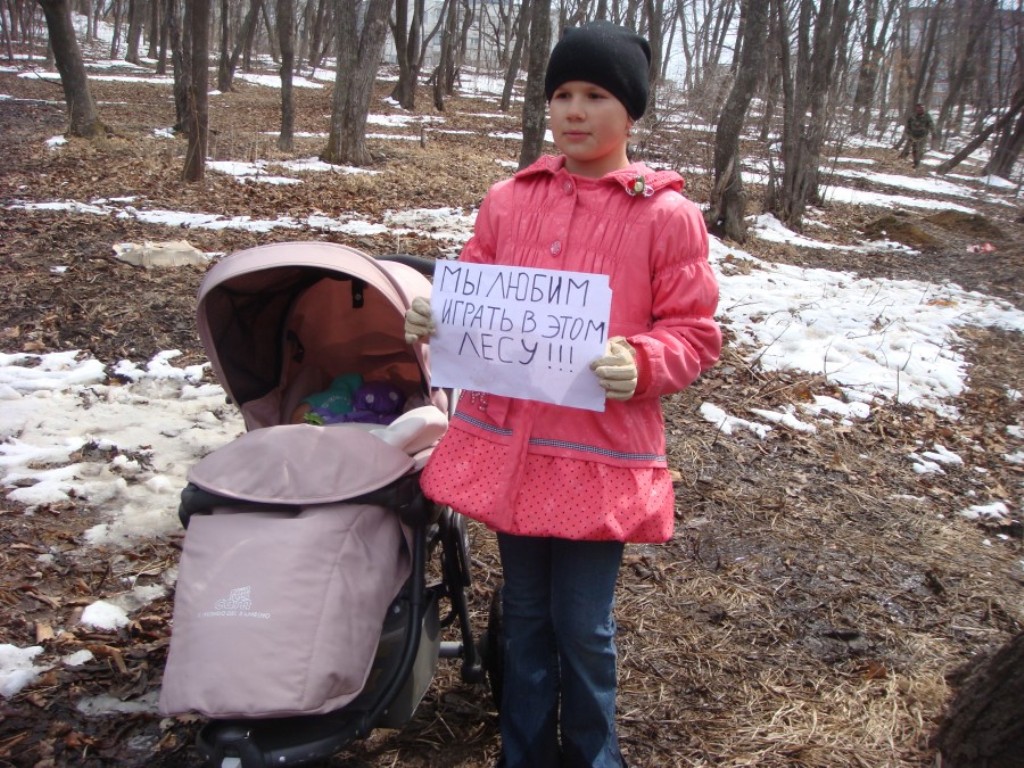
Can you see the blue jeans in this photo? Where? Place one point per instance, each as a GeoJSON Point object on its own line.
{"type": "Point", "coordinates": [560, 659]}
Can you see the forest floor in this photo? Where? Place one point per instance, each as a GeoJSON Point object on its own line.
{"type": "Point", "coordinates": [818, 604]}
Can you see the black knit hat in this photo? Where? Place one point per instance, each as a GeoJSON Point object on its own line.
{"type": "Point", "coordinates": [605, 54]}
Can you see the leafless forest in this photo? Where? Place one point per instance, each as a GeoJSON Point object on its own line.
{"type": "Point", "coordinates": [821, 606]}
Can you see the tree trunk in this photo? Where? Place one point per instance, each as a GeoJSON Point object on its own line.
{"type": "Point", "coordinates": [155, 26]}
{"type": "Point", "coordinates": [406, 32]}
{"type": "Point", "coordinates": [1007, 150]}
{"type": "Point", "coordinates": [198, 14]}
{"type": "Point", "coordinates": [6, 31]}
{"type": "Point", "coordinates": [512, 70]}
{"type": "Point", "coordinates": [165, 34]}
{"type": "Point", "coordinates": [459, 60]}
{"type": "Point", "coordinates": [84, 120]}
{"type": "Point", "coordinates": [534, 105]}
{"type": "Point", "coordinates": [867, 77]}
{"type": "Point", "coordinates": [286, 38]}
{"type": "Point", "coordinates": [346, 17]}
{"type": "Point", "coordinates": [773, 86]}
{"type": "Point", "coordinates": [182, 65]}
{"type": "Point", "coordinates": [275, 54]}
{"type": "Point", "coordinates": [446, 59]}
{"type": "Point", "coordinates": [224, 72]}
{"type": "Point", "coordinates": [965, 71]}
{"type": "Point", "coordinates": [115, 40]}
{"type": "Point", "coordinates": [984, 726]}
{"type": "Point", "coordinates": [358, 60]}
{"type": "Point", "coordinates": [820, 33]}
{"type": "Point", "coordinates": [654, 10]}
{"type": "Point", "coordinates": [977, 141]}
{"type": "Point", "coordinates": [135, 11]}
{"type": "Point", "coordinates": [921, 88]}
{"type": "Point", "coordinates": [727, 213]}
{"type": "Point", "coordinates": [318, 30]}
{"type": "Point", "coordinates": [249, 40]}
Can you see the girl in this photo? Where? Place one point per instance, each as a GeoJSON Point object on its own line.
{"type": "Point", "coordinates": [566, 488]}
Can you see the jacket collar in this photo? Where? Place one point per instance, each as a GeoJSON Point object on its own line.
{"type": "Point", "coordinates": [635, 179]}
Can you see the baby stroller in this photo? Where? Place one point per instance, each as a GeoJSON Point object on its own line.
{"type": "Point", "coordinates": [304, 617]}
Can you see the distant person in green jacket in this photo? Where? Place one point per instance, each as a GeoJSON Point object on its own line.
{"type": "Point", "coordinates": [919, 128]}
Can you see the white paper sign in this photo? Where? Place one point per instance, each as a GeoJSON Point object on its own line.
{"type": "Point", "coordinates": [519, 332]}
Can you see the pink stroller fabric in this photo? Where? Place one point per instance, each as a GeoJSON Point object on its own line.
{"type": "Point", "coordinates": [301, 464]}
{"type": "Point", "coordinates": [279, 614]}
{"type": "Point", "coordinates": [275, 331]}
{"type": "Point", "coordinates": [279, 610]}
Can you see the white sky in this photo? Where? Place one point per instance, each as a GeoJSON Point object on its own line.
{"type": "Point", "coordinates": [878, 340]}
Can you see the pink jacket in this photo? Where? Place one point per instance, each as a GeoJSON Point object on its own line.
{"type": "Point", "coordinates": [635, 226]}
{"type": "Point", "coordinates": [654, 248]}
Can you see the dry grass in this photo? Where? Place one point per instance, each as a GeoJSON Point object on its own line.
{"type": "Point", "coordinates": [814, 608]}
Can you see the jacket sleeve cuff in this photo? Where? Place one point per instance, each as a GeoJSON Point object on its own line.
{"type": "Point", "coordinates": [643, 367]}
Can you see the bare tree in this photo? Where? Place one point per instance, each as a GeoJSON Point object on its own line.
{"type": "Point", "coordinates": [964, 65]}
{"type": "Point", "coordinates": [197, 14]}
{"type": "Point", "coordinates": [927, 56]}
{"type": "Point", "coordinates": [446, 60]}
{"type": "Point", "coordinates": [358, 58]}
{"type": "Point", "coordinates": [136, 10]}
{"type": "Point", "coordinates": [726, 216]}
{"type": "Point", "coordinates": [498, 26]}
{"type": "Point", "coordinates": [155, 24]}
{"type": "Point", "coordinates": [705, 26]}
{"type": "Point", "coordinates": [229, 63]}
{"type": "Point", "coordinates": [5, 36]}
{"type": "Point", "coordinates": [654, 28]}
{"type": "Point", "coordinates": [286, 39]}
{"type": "Point", "coordinates": [318, 31]}
{"type": "Point", "coordinates": [984, 727]}
{"type": "Point", "coordinates": [1007, 150]}
{"type": "Point", "coordinates": [224, 72]}
{"type": "Point", "coordinates": [512, 71]}
{"type": "Point", "coordinates": [1017, 108]}
{"type": "Point", "coordinates": [406, 31]}
{"type": "Point", "coordinates": [872, 45]}
{"type": "Point", "coordinates": [454, 35]}
{"type": "Point", "coordinates": [1011, 140]}
{"type": "Point", "coordinates": [177, 42]}
{"type": "Point", "coordinates": [84, 119]}
{"type": "Point", "coordinates": [807, 82]}
{"type": "Point", "coordinates": [534, 104]}
{"type": "Point", "coordinates": [165, 7]}
{"type": "Point", "coordinates": [469, 10]}
{"type": "Point", "coordinates": [115, 40]}
{"type": "Point", "coordinates": [772, 86]}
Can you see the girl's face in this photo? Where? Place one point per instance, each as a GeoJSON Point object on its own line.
{"type": "Point", "coordinates": [591, 128]}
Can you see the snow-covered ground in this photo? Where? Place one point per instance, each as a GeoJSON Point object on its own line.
{"type": "Point", "coordinates": [878, 340]}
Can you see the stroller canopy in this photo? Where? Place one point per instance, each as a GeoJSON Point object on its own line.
{"type": "Point", "coordinates": [274, 314]}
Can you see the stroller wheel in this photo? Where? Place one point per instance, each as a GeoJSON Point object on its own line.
{"type": "Point", "coordinates": [492, 649]}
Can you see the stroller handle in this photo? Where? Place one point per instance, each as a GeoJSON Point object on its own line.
{"type": "Point", "coordinates": [422, 264]}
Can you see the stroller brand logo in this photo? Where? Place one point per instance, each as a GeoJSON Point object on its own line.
{"type": "Point", "coordinates": [240, 599]}
{"type": "Point", "coordinates": [238, 604]}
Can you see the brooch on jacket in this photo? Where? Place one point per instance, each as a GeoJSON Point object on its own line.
{"type": "Point", "coordinates": [638, 186]}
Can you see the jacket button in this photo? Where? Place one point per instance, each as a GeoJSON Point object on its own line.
{"type": "Point", "coordinates": [556, 247]}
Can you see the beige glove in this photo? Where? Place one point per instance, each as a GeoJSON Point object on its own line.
{"type": "Point", "coordinates": [616, 370]}
{"type": "Point", "coordinates": [419, 323]}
